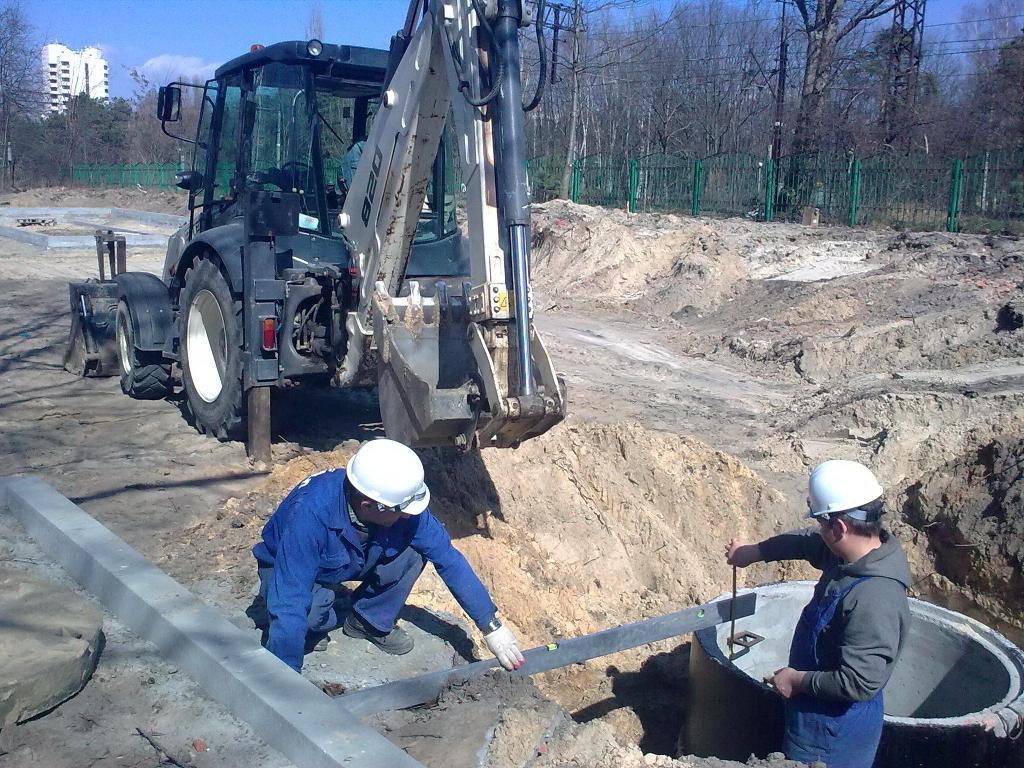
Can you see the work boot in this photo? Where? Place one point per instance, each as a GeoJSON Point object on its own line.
{"type": "Point", "coordinates": [397, 642]}
{"type": "Point", "coordinates": [316, 642]}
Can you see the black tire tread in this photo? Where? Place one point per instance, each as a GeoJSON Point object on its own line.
{"type": "Point", "coordinates": [150, 376]}
{"type": "Point", "coordinates": [226, 421]}
{"type": "Point", "coordinates": [150, 382]}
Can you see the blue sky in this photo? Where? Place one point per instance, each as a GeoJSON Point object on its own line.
{"type": "Point", "coordinates": [194, 36]}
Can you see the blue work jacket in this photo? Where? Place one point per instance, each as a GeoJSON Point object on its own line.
{"type": "Point", "coordinates": [311, 540]}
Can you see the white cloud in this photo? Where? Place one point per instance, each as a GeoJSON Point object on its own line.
{"type": "Point", "coordinates": [171, 66]}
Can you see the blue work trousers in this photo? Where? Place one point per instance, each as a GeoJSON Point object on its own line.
{"type": "Point", "coordinates": [386, 584]}
{"type": "Point", "coordinates": [842, 734]}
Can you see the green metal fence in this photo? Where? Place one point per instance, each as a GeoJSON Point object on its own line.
{"type": "Point", "coordinates": [991, 193]}
{"type": "Point", "coordinates": [600, 180]}
{"type": "Point", "coordinates": [983, 193]}
{"type": "Point", "coordinates": [662, 183]}
{"type": "Point", "coordinates": [816, 181]}
{"type": "Point", "coordinates": [148, 175]}
{"type": "Point", "coordinates": [545, 175]}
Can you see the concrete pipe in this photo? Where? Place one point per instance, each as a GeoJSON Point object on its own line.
{"type": "Point", "coordinates": [956, 697]}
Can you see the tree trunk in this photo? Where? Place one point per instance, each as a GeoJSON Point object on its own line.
{"type": "Point", "coordinates": [4, 149]}
{"type": "Point", "coordinates": [574, 108]}
{"type": "Point", "coordinates": [821, 51]}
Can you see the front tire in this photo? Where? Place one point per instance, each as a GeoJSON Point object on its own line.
{"type": "Point", "coordinates": [144, 375]}
{"type": "Point", "coordinates": [211, 352]}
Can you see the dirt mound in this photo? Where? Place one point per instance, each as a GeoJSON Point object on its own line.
{"type": "Point", "coordinates": [933, 307]}
{"type": "Point", "coordinates": [663, 264]}
{"type": "Point", "coordinates": [587, 254]}
{"type": "Point", "coordinates": [155, 200]}
{"type": "Point", "coordinates": [591, 526]}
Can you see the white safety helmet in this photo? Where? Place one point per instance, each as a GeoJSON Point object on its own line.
{"type": "Point", "coordinates": [841, 486]}
{"type": "Point", "coordinates": [391, 474]}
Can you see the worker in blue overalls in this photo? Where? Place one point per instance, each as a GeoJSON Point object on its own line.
{"type": "Point", "coordinates": [850, 635]}
{"type": "Point", "coordinates": [368, 523]}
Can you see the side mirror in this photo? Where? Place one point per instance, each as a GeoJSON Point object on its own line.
{"type": "Point", "coordinates": [190, 181]}
{"type": "Point", "coordinates": [168, 104]}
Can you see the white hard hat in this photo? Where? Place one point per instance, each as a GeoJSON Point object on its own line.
{"type": "Point", "coordinates": [391, 474]}
{"type": "Point", "coordinates": [841, 486]}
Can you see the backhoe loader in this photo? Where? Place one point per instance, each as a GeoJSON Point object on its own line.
{"type": "Point", "coordinates": [357, 218]}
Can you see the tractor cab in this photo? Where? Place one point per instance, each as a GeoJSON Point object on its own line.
{"type": "Point", "coordinates": [293, 117]}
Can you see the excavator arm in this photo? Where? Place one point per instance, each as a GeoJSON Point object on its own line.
{"type": "Point", "coordinates": [456, 364]}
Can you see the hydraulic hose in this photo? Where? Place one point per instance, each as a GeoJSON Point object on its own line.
{"type": "Point", "coordinates": [542, 50]}
{"type": "Point", "coordinates": [464, 84]}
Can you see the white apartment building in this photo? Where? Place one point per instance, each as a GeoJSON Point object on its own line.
{"type": "Point", "coordinates": [69, 73]}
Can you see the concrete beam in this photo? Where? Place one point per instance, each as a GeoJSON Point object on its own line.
{"type": "Point", "coordinates": [425, 689]}
{"type": "Point", "coordinates": [286, 710]}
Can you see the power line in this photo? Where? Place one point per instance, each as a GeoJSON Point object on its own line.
{"type": "Point", "coordinates": [977, 40]}
{"type": "Point", "coordinates": [974, 21]}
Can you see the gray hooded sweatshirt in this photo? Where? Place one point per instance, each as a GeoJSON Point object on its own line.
{"type": "Point", "coordinates": [858, 649]}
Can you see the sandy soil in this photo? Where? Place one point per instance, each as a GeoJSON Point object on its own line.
{"type": "Point", "coordinates": [710, 364]}
{"type": "Point", "coordinates": [158, 201]}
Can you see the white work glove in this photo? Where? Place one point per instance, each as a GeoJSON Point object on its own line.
{"type": "Point", "coordinates": [502, 643]}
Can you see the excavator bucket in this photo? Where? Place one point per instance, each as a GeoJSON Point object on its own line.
{"type": "Point", "coordinates": [426, 381]}
{"type": "Point", "coordinates": [92, 344]}
{"type": "Point", "coordinates": [436, 387]}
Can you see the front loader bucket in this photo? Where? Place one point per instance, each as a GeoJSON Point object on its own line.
{"type": "Point", "coordinates": [92, 344]}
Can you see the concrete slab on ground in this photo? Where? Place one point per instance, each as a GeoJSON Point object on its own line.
{"type": "Point", "coordinates": [74, 227]}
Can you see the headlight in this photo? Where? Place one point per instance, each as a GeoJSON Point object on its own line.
{"type": "Point", "coordinates": [314, 47]}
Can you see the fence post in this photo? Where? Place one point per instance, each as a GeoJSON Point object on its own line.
{"type": "Point", "coordinates": [574, 190]}
{"type": "Point", "coordinates": [854, 191]}
{"type": "Point", "coordinates": [634, 179]}
{"type": "Point", "coordinates": [955, 182]}
{"type": "Point", "coordinates": [769, 189]}
{"type": "Point", "coordinates": [695, 209]}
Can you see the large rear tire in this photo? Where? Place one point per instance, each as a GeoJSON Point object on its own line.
{"type": "Point", "coordinates": [211, 352]}
{"type": "Point", "coordinates": [144, 375]}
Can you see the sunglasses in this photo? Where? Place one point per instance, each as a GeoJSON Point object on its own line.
{"type": "Point", "coordinates": [401, 507]}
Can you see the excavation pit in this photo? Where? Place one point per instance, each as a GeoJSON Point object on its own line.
{"type": "Point", "coordinates": [956, 696]}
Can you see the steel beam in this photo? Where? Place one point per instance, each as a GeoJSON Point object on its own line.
{"type": "Point", "coordinates": [287, 711]}
{"type": "Point", "coordinates": [426, 688]}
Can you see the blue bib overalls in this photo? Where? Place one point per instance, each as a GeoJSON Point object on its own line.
{"type": "Point", "coordinates": [842, 734]}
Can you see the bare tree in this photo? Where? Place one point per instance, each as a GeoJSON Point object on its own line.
{"type": "Point", "coordinates": [21, 90]}
{"type": "Point", "coordinates": [826, 23]}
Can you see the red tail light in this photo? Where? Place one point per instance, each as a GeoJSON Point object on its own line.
{"type": "Point", "coordinates": [269, 334]}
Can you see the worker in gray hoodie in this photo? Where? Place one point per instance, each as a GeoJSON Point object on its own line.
{"type": "Point", "coordinates": [850, 635]}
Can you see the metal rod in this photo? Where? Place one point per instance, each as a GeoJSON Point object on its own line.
{"type": "Point", "coordinates": [732, 614]}
{"type": "Point", "coordinates": [258, 445]}
{"type": "Point", "coordinates": [426, 688]}
{"type": "Point", "coordinates": [521, 281]}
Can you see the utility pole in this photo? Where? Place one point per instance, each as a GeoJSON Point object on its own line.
{"type": "Point", "coordinates": [904, 66]}
{"type": "Point", "coordinates": [554, 45]}
{"type": "Point", "coordinates": [780, 91]}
